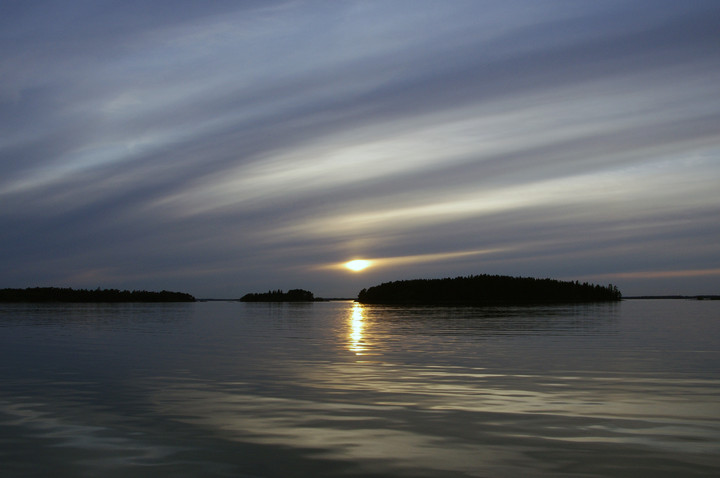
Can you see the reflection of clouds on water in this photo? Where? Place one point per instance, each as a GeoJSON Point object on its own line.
{"type": "Point", "coordinates": [86, 439]}
{"type": "Point", "coordinates": [450, 420]}
{"type": "Point", "coordinates": [474, 390]}
{"type": "Point", "coordinates": [371, 435]}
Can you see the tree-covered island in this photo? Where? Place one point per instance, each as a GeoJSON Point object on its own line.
{"type": "Point", "coordinates": [293, 295]}
{"type": "Point", "coordinates": [486, 289]}
{"type": "Point", "coordinates": [59, 294]}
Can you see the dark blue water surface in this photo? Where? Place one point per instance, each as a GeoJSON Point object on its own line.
{"type": "Point", "coordinates": [339, 389]}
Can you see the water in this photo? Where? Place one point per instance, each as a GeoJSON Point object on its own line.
{"type": "Point", "coordinates": [338, 389]}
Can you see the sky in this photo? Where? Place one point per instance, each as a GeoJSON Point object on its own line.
{"type": "Point", "coordinates": [226, 147]}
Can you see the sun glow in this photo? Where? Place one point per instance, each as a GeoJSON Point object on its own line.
{"type": "Point", "coordinates": [357, 265]}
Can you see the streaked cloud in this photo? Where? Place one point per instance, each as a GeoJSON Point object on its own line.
{"type": "Point", "coordinates": [666, 274]}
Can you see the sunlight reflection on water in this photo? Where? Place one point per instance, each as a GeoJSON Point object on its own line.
{"type": "Point", "coordinates": [357, 343]}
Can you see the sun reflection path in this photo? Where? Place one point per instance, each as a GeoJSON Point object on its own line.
{"type": "Point", "coordinates": [356, 339]}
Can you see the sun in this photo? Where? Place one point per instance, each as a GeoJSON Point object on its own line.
{"type": "Point", "coordinates": [357, 265]}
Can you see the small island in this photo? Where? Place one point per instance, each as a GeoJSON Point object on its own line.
{"type": "Point", "coordinates": [486, 290]}
{"type": "Point", "coordinates": [293, 295]}
{"type": "Point", "coordinates": [59, 294]}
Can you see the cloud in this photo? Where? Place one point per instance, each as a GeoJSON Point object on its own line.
{"type": "Point", "coordinates": [163, 143]}
{"type": "Point", "coordinates": [665, 274]}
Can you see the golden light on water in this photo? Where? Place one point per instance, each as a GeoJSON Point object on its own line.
{"type": "Point", "coordinates": [356, 340]}
{"type": "Point", "coordinates": [357, 265]}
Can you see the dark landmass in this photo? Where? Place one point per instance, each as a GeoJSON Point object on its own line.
{"type": "Point", "coordinates": [486, 289]}
{"type": "Point", "coordinates": [57, 294]}
{"type": "Point", "coordinates": [685, 297]}
{"type": "Point", "coordinates": [293, 295]}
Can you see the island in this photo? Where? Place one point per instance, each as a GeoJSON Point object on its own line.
{"type": "Point", "coordinates": [60, 294]}
{"type": "Point", "coordinates": [293, 295]}
{"type": "Point", "coordinates": [486, 289]}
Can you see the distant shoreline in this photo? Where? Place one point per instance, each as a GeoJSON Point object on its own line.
{"type": "Point", "coordinates": [684, 297]}
{"type": "Point", "coordinates": [69, 295]}
{"type": "Point", "coordinates": [293, 295]}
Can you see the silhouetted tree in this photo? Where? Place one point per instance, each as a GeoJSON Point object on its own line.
{"type": "Point", "coordinates": [484, 289]}
{"type": "Point", "coordinates": [293, 295]}
{"type": "Point", "coordinates": [57, 294]}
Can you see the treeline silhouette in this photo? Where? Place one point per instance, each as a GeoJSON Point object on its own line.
{"type": "Point", "coordinates": [293, 295]}
{"type": "Point", "coordinates": [486, 289]}
{"type": "Point", "coordinates": [58, 294]}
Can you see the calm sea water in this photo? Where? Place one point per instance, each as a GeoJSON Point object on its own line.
{"type": "Point", "coordinates": [338, 389]}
